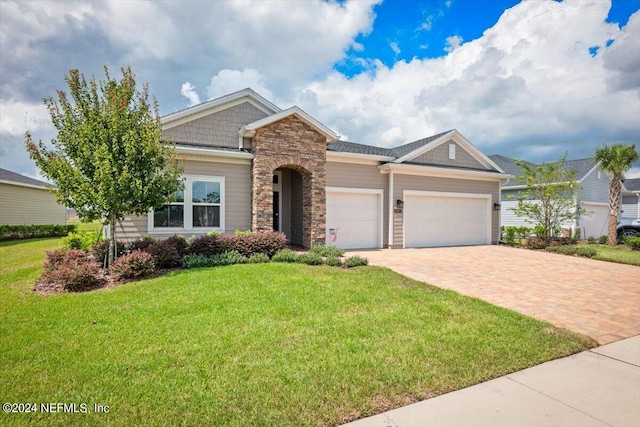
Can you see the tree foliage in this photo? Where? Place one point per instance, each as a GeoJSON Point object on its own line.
{"type": "Point", "coordinates": [108, 159]}
{"type": "Point", "coordinates": [615, 160]}
{"type": "Point", "coordinates": [549, 197]}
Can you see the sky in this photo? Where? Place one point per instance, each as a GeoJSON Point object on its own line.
{"type": "Point", "coordinates": [530, 80]}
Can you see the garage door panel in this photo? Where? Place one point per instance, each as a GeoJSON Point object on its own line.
{"type": "Point", "coordinates": [595, 222]}
{"type": "Point", "coordinates": [445, 221]}
{"type": "Point", "coordinates": [357, 219]}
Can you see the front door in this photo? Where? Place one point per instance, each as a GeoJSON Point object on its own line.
{"type": "Point", "coordinates": [276, 211]}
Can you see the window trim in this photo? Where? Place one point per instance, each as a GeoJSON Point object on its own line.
{"type": "Point", "coordinates": [188, 208]}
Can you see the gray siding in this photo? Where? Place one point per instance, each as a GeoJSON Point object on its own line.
{"type": "Point", "coordinates": [237, 197]}
{"type": "Point", "coordinates": [595, 189]}
{"type": "Point", "coordinates": [440, 156]}
{"type": "Point", "coordinates": [20, 205]}
{"type": "Point", "coordinates": [362, 176]}
{"type": "Point", "coordinates": [217, 129]}
{"type": "Point", "coordinates": [132, 227]}
{"type": "Point", "coordinates": [425, 183]}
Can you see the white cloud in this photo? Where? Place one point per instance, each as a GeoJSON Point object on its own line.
{"type": "Point", "coordinates": [633, 173]}
{"type": "Point", "coordinates": [227, 81]}
{"type": "Point", "coordinates": [189, 91]}
{"type": "Point", "coordinates": [452, 43]}
{"type": "Point", "coordinates": [395, 48]}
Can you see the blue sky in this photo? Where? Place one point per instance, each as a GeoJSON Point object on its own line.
{"type": "Point", "coordinates": [530, 79]}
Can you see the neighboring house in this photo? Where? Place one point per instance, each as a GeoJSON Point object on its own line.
{"type": "Point", "coordinates": [27, 201]}
{"type": "Point", "coordinates": [593, 196]}
{"type": "Point", "coordinates": [630, 204]}
{"type": "Point", "coordinates": [250, 165]}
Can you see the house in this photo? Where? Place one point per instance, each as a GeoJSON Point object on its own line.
{"type": "Point", "coordinates": [250, 165]}
{"type": "Point", "coordinates": [630, 204]}
{"type": "Point", "coordinates": [27, 201]}
{"type": "Point", "coordinates": [593, 196]}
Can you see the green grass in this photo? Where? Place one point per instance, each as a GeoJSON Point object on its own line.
{"type": "Point", "coordinates": [86, 227]}
{"type": "Point", "coordinates": [263, 344]}
{"type": "Point", "coordinates": [620, 254]}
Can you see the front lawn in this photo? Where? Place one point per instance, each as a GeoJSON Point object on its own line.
{"type": "Point", "coordinates": [263, 344]}
{"type": "Point", "coordinates": [620, 254]}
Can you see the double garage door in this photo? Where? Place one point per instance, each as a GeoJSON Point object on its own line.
{"type": "Point", "coordinates": [446, 219]}
{"type": "Point", "coordinates": [354, 219]}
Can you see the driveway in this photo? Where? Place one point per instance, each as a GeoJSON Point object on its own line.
{"type": "Point", "coordinates": [596, 298]}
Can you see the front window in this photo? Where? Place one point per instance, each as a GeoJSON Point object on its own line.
{"type": "Point", "coordinates": [199, 206]}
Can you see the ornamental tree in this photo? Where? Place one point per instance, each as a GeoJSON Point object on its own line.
{"type": "Point", "coordinates": [615, 160]}
{"type": "Point", "coordinates": [549, 198]}
{"type": "Point", "coordinates": [108, 159]}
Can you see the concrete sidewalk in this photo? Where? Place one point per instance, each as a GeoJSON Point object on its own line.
{"type": "Point", "coordinates": [599, 387]}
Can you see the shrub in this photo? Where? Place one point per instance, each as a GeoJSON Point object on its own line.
{"type": "Point", "coordinates": [134, 265]}
{"type": "Point", "coordinates": [180, 243]}
{"type": "Point", "coordinates": [195, 261]}
{"type": "Point", "coordinates": [327, 251]}
{"type": "Point", "coordinates": [242, 233]}
{"type": "Point", "coordinates": [258, 258]}
{"type": "Point", "coordinates": [164, 254]}
{"type": "Point", "coordinates": [139, 244]}
{"type": "Point", "coordinates": [285, 255]}
{"type": "Point", "coordinates": [266, 242]}
{"type": "Point", "coordinates": [80, 241]}
{"type": "Point", "coordinates": [206, 245]}
{"type": "Point", "coordinates": [333, 261]}
{"type": "Point", "coordinates": [634, 243]}
{"type": "Point", "coordinates": [212, 233]}
{"type": "Point", "coordinates": [536, 243]}
{"type": "Point", "coordinates": [603, 240]}
{"type": "Point", "coordinates": [574, 250]}
{"type": "Point", "coordinates": [509, 235]}
{"type": "Point", "coordinates": [523, 232]}
{"type": "Point", "coordinates": [101, 249]}
{"type": "Point", "coordinates": [310, 259]}
{"type": "Point", "coordinates": [18, 232]}
{"type": "Point", "coordinates": [73, 270]}
{"type": "Point", "coordinates": [355, 261]}
{"type": "Point", "coordinates": [591, 240]}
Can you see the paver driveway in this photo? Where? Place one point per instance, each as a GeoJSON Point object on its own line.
{"type": "Point", "coordinates": [599, 299]}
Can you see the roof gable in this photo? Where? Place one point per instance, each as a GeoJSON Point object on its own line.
{"type": "Point", "coordinates": [250, 129]}
{"type": "Point", "coordinates": [218, 104]}
{"type": "Point", "coordinates": [410, 151]}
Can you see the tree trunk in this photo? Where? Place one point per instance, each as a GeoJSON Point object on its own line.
{"type": "Point", "coordinates": [614, 204]}
{"type": "Point", "coordinates": [112, 239]}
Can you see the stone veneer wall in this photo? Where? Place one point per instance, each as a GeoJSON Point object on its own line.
{"type": "Point", "coordinates": [293, 144]}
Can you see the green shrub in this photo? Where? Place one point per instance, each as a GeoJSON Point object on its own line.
{"type": "Point", "coordinates": [574, 250]}
{"type": "Point", "coordinates": [73, 270]}
{"type": "Point", "coordinates": [310, 259]}
{"type": "Point", "coordinates": [212, 233]}
{"type": "Point", "coordinates": [603, 240]}
{"type": "Point", "coordinates": [231, 257]}
{"type": "Point", "coordinates": [258, 258]}
{"type": "Point", "coordinates": [591, 240]}
{"type": "Point", "coordinates": [242, 232]}
{"type": "Point", "coordinates": [523, 232]}
{"type": "Point", "coordinates": [333, 261]}
{"type": "Point", "coordinates": [327, 251]}
{"type": "Point", "coordinates": [634, 243]}
{"type": "Point", "coordinates": [134, 265]}
{"type": "Point", "coordinates": [18, 232]}
{"type": "Point", "coordinates": [509, 234]}
{"type": "Point", "coordinates": [195, 261]}
{"type": "Point", "coordinates": [80, 241]}
{"type": "Point", "coordinates": [164, 254]}
{"type": "Point", "coordinates": [355, 261]}
{"type": "Point", "coordinates": [285, 255]}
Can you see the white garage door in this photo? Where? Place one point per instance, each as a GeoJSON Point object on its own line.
{"type": "Point", "coordinates": [354, 218]}
{"type": "Point", "coordinates": [595, 222]}
{"type": "Point", "coordinates": [446, 220]}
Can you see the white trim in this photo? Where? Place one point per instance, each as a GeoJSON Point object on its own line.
{"type": "Point", "coordinates": [460, 140]}
{"type": "Point", "coordinates": [378, 191]}
{"type": "Point", "coordinates": [391, 211]}
{"type": "Point", "coordinates": [249, 130]}
{"type": "Point", "coordinates": [589, 173]}
{"type": "Point", "coordinates": [44, 187]}
{"type": "Point", "coordinates": [486, 197]}
{"type": "Point", "coordinates": [213, 106]}
{"type": "Point", "coordinates": [188, 209]}
{"type": "Point", "coordinates": [422, 170]}
{"type": "Point", "coordinates": [212, 152]}
{"type": "Point", "coordinates": [365, 159]}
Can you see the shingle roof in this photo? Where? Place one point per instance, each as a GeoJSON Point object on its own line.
{"type": "Point", "coordinates": [632, 184]}
{"type": "Point", "coordinates": [405, 149]}
{"type": "Point", "coordinates": [507, 164]}
{"type": "Point", "coordinates": [352, 147]}
{"type": "Point", "coordinates": [7, 175]}
{"type": "Point", "coordinates": [581, 166]}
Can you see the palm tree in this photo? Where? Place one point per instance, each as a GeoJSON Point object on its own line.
{"type": "Point", "coordinates": [615, 160]}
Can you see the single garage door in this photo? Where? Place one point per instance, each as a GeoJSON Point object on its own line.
{"type": "Point", "coordinates": [595, 222]}
{"type": "Point", "coordinates": [451, 219]}
{"type": "Point", "coordinates": [354, 218]}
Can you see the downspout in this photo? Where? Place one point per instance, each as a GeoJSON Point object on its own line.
{"type": "Point", "coordinates": [391, 214]}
